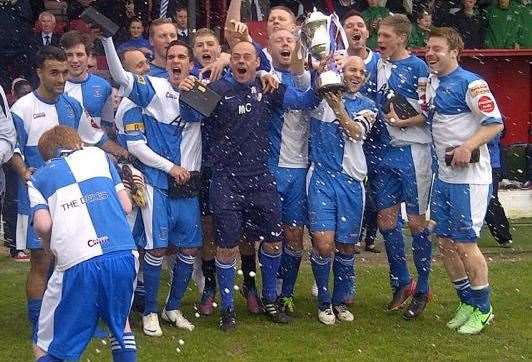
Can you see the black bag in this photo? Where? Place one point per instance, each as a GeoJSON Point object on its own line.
{"type": "Point", "coordinates": [187, 190]}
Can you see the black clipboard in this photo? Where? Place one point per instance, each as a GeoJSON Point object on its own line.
{"type": "Point", "coordinates": [201, 98]}
{"type": "Point", "coordinates": [402, 107]}
{"type": "Point", "coordinates": [92, 16]}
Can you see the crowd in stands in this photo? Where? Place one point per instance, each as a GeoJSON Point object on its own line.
{"type": "Point", "coordinates": [28, 24]}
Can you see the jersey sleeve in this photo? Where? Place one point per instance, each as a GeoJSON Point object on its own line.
{"type": "Point", "coordinates": [292, 98]}
{"type": "Point", "coordinates": [482, 102]}
{"type": "Point", "coordinates": [22, 135]}
{"type": "Point", "coordinates": [7, 130]}
{"type": "Point", "coordinates": [37, 200]}
{"type": "Point", "coordinates": [107, 110]}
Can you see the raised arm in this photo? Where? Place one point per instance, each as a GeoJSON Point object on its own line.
{"type": "Point", "coordinates": [356, 127]}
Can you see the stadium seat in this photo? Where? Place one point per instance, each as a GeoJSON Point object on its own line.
{"type": "Point", "coordinates": [80, 25]}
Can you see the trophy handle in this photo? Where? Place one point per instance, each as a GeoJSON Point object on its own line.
{"type": "Point", "coordinates": [339, 36]}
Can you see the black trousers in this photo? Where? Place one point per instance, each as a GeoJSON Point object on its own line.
{"type": "Point", "coordinates": [495, 216]}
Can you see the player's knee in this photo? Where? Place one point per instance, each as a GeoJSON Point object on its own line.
{"type": "Point", "coordinates": [324, 249]}
{"type": "Point", "coordinates": [40, 262]}
{"type": "Point", "coordinates": [158, 253]}
{"type": "Point", "coordinates": [294, 236]}
{"type": "Point", "coordinates": [226, 255]}
{"type": "Point", "coordinates": [296, 245]}
{"type": "Point", "coordinates": [272, 247]}
{"type": "Point", "coordinates": [386, 220]}
{"type": "Point", "coordinates": [246, 247]}
{"type": "Point", "coordinates": [417, 224]}
{"type": "Point", "coordinates": [208, 250]}
{"type": "Point", "coordinates": [446, 246]}
{"type": "Point", "coordinates": [347, 249]}
{"type": "Point", "coordinates": [192, 252]}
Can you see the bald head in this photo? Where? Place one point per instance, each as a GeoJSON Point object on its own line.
{"type": "Point", "coordinates": [244, 62]}
{"type": "Point", "coordinates": [354, 73]}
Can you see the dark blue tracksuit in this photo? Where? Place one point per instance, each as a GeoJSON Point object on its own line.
{"type": "Point", "coordinates": [243, 196]}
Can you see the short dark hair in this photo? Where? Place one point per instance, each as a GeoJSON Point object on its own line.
{"type": "Point", "coordinates": [351, 13]}
{"type": "Point", "coordinates": [181, 7]}
{"type": "Point", "coordinates": [451, 35]}
{"type": "Point", "coordinates": [75, 37]}
{"type": "Point", "coordinates": [18, 84]}
{"type": "Point", "coordinates": [135, 20]}
{"type": "Point", "coordinates": [174, 43]}
{"type": "Point", "coordinates": [284, 8]}
{"type": "Point", "coordinates": [49, 52]}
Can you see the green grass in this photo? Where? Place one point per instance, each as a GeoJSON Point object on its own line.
{"type": "Point", "coordinates": [374, 335]}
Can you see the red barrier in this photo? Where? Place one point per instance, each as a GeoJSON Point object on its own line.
{"type": "Point", "coordinates": [508, 73]}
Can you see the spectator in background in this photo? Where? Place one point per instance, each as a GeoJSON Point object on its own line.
{"type": "Point", "coordinates": [92, 64]}
{"type": "Point", "coordinates": [373, 16]}
{"type": "Point", "coordinates": [470, 24]}
{"type": "Point", "coordinates": [526, 34]}
{"type": "Point", "coordinates": [441, 12]}
{"type": "Point", "coordinates": [181, 21]}
{"type": "Point", "coordinates": [19, 88]}
{"type": "Point", "coordinates": [16, 42]}
{"type": "Point", "coordinates": [420, 30]}
{"type": "Point", "coordinates": [136, 37]}
{"type": "Point", "coordinates": [47, 25]}
{"type": "Point", "coordinates": [504, 25]}
{"type": "Point", "coordinates": [395, 6]}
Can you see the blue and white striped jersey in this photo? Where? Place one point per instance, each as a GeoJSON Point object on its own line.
{"type": "Point", "coordinates": [369, 89]}
{"type": "Point", "coordinates": [289, 130]}
{"type": "Point", "coordinates": [459, 103]}
{"type": "Point", "coordinates": [94, 94]}
{"type": "Point", "coordinates": [406, 77]}
{"type": "Point", "coordinates": [80, 192]}
{"type": "Point", "coordinates": [331, 150]}
{"type": "Point", "coordinates": [170, 134]}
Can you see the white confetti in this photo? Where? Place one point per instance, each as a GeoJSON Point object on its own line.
{"type": "Point", "coordinates": [104, 342]}
{"type": "Point", "coordinates": [197, 315]}
{"type": "Point", "coordinates": [240, 272]}
{"type": "Point", "coordinates": [214, 304]}
{"type": "Point", "coordinates": [181, 342]}
{"type": "Point", "coordinates": [252, 274]}
{"type": "Point", "coordinates": [236, 287]}
{"type": "Point", "coordinates": [178, 350]}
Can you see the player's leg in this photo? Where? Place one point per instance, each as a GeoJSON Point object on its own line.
{"type": "Point", "coordinates": [294, 217]}
{"type": "Point", "coordinates": [41, 262]}
{"type": "Point", "coordinates": [118, 269]}
{"type": "Point", "coordinates": [472, 211]}
{"type": "Point", "coordinates": [208, 249]}
{"type": "Point", "coordinates": [370, 224]}
{"type": "Point", "coordinates": [155, 218]}
{"type": "Point", "coordinates": [227, 214]}
{"type": "Point", "coordinates": [246, 247]}
{"type": "Point", "coordinates": [69, 312]}
{"type": "Point", "coordinates": [386, 188]}
{"type": "Point", "coordinates": [322, 220]}
{"type": "Point", "coordinates": [350, 200]}
{"type": "Point", "coordinates": [264, 205]}
{"type": "Point", "coordinates": [136, 225]}
{"type": "Point", "coordinates": [208, 266]}
{"type": "Point", "coordinates": [185, 235]}
{"type": "Point", "coordinates": [416, 181]}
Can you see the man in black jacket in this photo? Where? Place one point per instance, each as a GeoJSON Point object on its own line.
{"type": "Point", "coordinates": [46, 36]}
{"type": "Point", "coordinates": [470, 24]}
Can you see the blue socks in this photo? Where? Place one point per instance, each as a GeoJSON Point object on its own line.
{"type": "Point", "coordinates": [34, 308]}
{"type": "Point", "coordinates": [290, 262]}
{"type": "Point", "coordinates": [126, 351]}
{"type": "Point", "coordinates": [422, 252]}
{"type": "Point", "coordinates": [321, 267]}
{"type": "Point", "coordinates": [269, 266]}
{"type": "Point", "coordinates": [481, 297]}
{"type": "Point", "coordinates": [463, 289]}
{"type": "Point", "coordinates": [181, 276]}
{"type": "Point", "coordinates": [152, 279]}
{"type": "Point", "coordinates": [226, 274]}
{"type": "Point", "coordinates": [344, 274]}
{"type": "Point", "coordinates": [395, 251]}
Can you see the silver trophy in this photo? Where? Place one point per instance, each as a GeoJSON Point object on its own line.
{"type": "Point", "coordinates": [323, 36]}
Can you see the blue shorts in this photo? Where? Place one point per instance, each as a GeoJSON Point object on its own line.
{"type": "Point", "coordinates": [171, 222]}
{"type": "Point", "coordinates": [26, 236]}
{"type": "Point", "coordinates": [75, 299]}
{"type": "Point", "coordinates": [290, 183]}
{"type": "Point", "coordinates": [245, 207]}
{"type": "Point", "coordinates": [459, 210]}
{"type": "Point", "coordinates": [336, 203]}
{"type": "Point", "coordinates": [403, 175]}
{"type": "Point", "coordinates": [136, 225]}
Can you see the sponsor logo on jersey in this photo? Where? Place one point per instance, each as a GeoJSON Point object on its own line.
{"type": "Point", "coordinates": [140, 79]}
{"type": "Point", "coordinates": [134, 127]}
{"type": "Point", "coordinates": [98, 241]}
{"type": "Point", "coordinates": [97, 91]}
{"type": "Point", "coordinates": [39, 115]}
{"type": "Point", "coordinates": [486, 104]}
{"type": "Point", "coordinates": [479, 89]}
{"type": "Point", "coordinates": [96, 196]}
{"type": "Point", "coordinates": [171, 95]}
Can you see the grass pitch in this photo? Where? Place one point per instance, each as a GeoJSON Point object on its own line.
{"type": "Point", "coordinates": [374, 335]}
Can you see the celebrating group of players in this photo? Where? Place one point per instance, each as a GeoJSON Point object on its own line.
{"type": "Point", "coordinates": [273, 157]}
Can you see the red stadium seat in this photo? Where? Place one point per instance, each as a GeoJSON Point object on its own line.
{"type": "Point", "coordinates": [79, 25]}
{"type": "Point", "coordinates": [257, 30]}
